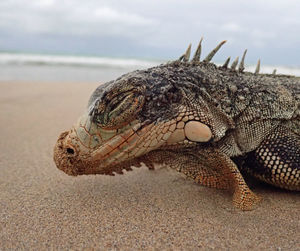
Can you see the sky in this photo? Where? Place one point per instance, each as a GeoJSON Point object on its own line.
{"type": "Point", "coordinates": [154, 29]}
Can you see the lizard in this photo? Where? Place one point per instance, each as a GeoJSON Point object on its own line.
{"type": "Point", "coordinates": [212, 123]}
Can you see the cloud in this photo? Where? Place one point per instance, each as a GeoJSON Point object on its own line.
{"type": "Point", "coordinates": [109, 15]}
{"type": "Point", "coordinates": [262, 38]}
{"type": "Point", "coordinates": [66, 17]}
{"type": "Point", "coordinates": [231, 27]}
{"type": "Point", "coordinates": [162, 28]}
{"type": "Point", "coordinates": [43, 3]}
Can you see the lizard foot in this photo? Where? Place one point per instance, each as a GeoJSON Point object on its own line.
{"type": "Point", "coordinates": [245, 199]}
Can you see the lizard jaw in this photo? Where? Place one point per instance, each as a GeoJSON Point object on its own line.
{"type": "Point", "coordinates": [67, 158]}
{"type": "Point", "coordinates": [75, 157]}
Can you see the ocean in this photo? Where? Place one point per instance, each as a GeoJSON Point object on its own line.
{"type": "Point", "coordinates": [66, 68]}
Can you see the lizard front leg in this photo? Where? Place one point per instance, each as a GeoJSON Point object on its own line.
{"type": "Point", "coordinates": [227, 175]}
{"type": "Point", "coordinates": [212, 168]}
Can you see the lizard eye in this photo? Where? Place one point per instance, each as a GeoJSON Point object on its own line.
{"type": "Point", "coordinates": [119, 111]}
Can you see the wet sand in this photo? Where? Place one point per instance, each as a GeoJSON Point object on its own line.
{"type": "Point", "coordinates": [43, 208]}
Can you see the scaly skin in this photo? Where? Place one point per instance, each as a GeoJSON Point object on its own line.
{"type": "Point", "coordinates": [206, 121]}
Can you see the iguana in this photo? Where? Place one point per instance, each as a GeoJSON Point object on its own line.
{"type": "Point", "coordinates": [210, 122]}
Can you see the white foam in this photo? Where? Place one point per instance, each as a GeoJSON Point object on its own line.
{"type": "Point", "coordinates": [295, 71]}
{"type": "Point", "coordinates": [39, 59]}
{"type": "Point", "coordinates": [43, 59]}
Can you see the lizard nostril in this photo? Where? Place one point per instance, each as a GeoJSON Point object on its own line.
{"type": "Point", "coordinates": [70, 150]}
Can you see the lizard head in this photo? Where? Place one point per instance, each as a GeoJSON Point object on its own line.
{"type": "Point", "coordinates": [119, 125]}
{"type": "Point", "coordinates": [155, 109]}
{"type": "Point", "coordinates": [126, 119]}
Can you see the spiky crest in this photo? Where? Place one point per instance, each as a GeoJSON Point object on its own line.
{"type": "Point", "coordinates": [225, 65]}
{"type": "Point", "coordinates": [196, 58]}
{"type": "Point", "coordinates": [197, 54]}
{"type": "Point", "coordinates": [257, 67]}
{"type": "Point", "coordinates": [187, 53]}
{"type": "Point", "coordinates": [234, 63]}
{"type": "Point", "coordinates": [242, 66]}
{"type": "Point", "coordinates": [186, 56]}
{"type": "Point", "coordinates": [213, 52]}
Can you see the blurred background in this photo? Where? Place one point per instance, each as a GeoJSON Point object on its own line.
{"type": "Point", "coordinates": [97, 40]}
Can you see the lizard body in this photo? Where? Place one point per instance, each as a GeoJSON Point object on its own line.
{"type": "Point", "coordinates": [208, 122]}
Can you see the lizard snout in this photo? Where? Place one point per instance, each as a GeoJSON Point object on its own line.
{"type": "Point", "coordinates": [65, 155]}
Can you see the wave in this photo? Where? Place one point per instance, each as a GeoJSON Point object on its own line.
{"type": "Point", "coordinates": [285, 70]}
{"type": "Point", "coordinates": [40, 59]}
{"type": "Point", "coordinates": [107, 62]}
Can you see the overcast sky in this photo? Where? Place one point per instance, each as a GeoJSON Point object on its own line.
{"type": "Point", "coordinates": [161, 29]}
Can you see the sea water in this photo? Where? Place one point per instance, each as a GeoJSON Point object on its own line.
{"type": "Point", "coordinates": [67, 68]}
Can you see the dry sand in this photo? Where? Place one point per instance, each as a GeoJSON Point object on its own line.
{"type": "Point", "coordinates": [43, 208]}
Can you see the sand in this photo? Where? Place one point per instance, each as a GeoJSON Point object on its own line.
{"type": "Point", "coordinates": [43, 208]}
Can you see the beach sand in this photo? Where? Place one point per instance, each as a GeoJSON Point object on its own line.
{"type": "Point", "coordinates": [43, 208]}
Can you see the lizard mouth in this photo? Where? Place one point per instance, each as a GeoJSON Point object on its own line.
{"type": "Point", "coordinates": [70, 160]}
{"type": "Point", "coordinates": [89, 149]}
